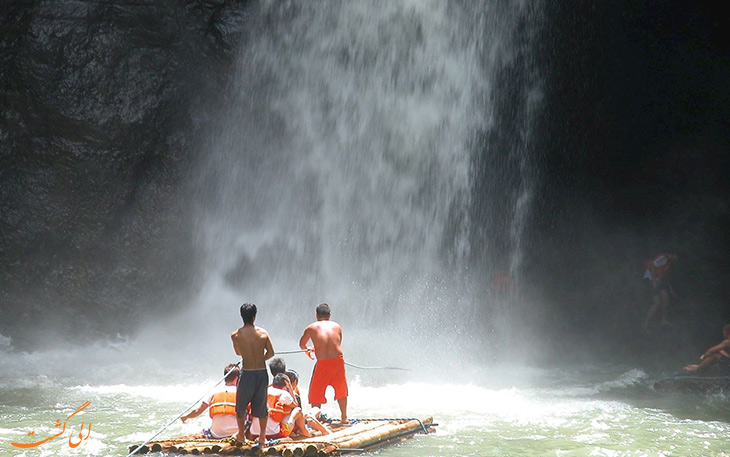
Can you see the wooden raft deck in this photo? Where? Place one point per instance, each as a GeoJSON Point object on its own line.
{"type": "Point", "coordinates": [361, 435]}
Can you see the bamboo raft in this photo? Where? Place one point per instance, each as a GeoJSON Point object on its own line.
{"type": "Point", "coordinates": [360, 435]}
{"type": "Point", "coordinates": [701, 384]}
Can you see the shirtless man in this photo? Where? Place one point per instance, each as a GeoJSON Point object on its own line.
{"type": "Point", "coordinates": [329, 370]}
{"type": "Point", "coordinates": [254, 346]}
{"type": "Point", "coordinates": [713, 354]}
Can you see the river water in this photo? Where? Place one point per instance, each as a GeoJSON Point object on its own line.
{"type": "Point", "coordinates": [496, 410]}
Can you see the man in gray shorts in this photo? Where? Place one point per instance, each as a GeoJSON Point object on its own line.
{"type": "Point", "coordinates": [254, 346]}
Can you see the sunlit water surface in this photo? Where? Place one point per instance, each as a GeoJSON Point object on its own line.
{"type": "Point", "coordinates": [488, 411]}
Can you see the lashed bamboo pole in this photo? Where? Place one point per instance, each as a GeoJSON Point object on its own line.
{"type": "Point", "coordinates": [343, 434]}
{"type": "Point", "coordinates": [386, 431]}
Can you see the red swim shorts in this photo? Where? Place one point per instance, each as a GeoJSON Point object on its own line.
{"type": "Point", "coordinates": [328, 372]}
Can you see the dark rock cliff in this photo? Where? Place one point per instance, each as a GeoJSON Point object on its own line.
{"type": "Point", "coordinates": [102, 108]}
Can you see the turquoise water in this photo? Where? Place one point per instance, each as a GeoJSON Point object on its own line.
{"type": "Point", "coordinates": [493, 411]}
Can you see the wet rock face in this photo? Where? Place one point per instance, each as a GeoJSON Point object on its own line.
{"type": "Point", "coordinates": [103, 105]}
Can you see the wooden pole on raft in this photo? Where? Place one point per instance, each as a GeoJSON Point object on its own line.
{"type": "Point", "coordinates": [385, 432]}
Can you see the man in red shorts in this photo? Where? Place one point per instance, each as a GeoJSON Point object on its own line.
{"type": "Point", "coordinates": [326, 335]}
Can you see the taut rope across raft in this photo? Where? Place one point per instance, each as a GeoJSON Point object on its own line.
{"type": "Point", "coordinates": [346, 363]}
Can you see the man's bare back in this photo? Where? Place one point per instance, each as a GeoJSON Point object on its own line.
{"type": "Point", "coordinates": [253, 345]}
{"type": "Point", "coordinates": [326, 336]}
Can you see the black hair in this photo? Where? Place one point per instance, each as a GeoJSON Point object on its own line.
{"type": "Point", "coordinates": [726, 329]}
{"type": "Point", "coordinates": [292, 375]}
{"type": "Point", "coordinates": [276, 366]}
{"type": "Point", "coordinates": [323, 309]}
{"type": "Point", "coordinates": [248, 313]}
{"type": "Point", "coordinates": [279, 381]}
{"type": "Point", "coordinates": [231, 372]}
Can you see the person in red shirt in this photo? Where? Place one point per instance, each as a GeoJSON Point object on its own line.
{"type": "Point", "coordinates": [659, 271]}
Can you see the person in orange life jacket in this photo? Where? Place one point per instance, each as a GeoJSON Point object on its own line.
{"type": "Point", "coordinates": [311, 417]}
{"type": "Point", "coordinates": [285, 417]}
{"type": "Point", "coordinates": [276, 366]}
{"type": "Point", "coordinates": [222, 404]}
{"type": "Point", "coordinates": [658, 273]}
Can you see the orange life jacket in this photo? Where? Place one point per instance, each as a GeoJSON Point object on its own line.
{"type": "Point", "coordinates": [277, 410]}
{"type": "Point", "coordinates": [223, 403]}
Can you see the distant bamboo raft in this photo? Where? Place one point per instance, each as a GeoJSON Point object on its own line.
{"type": "Point", "coordinates": [694, 384]}
{"type": "Point", "coordinates": [361, 435]}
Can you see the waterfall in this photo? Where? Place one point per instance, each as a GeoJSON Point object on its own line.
{"type": "Point", "coordinates": [346, 163]}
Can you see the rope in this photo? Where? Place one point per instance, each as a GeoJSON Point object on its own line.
{"type": "Point", "coordinates": [348, 363]}
{"type": "Point", "coordinates": [353, 421]}
{"type": "Point", "coordinates": [376, 368]}
{"type": "Point", "coordinates": [181, 414]}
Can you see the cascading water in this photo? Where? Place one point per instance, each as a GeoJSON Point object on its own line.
{"type": "Point", "coordinates": [344, 170]}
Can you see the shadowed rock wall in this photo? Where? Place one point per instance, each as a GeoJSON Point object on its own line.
{"type": "Point", "coordinates": [103, 105]}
